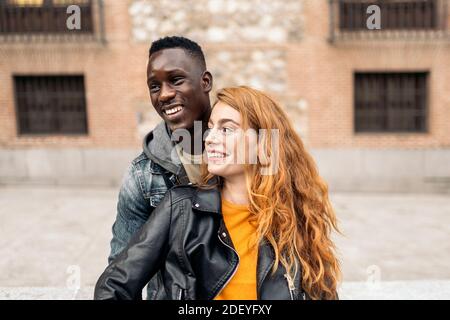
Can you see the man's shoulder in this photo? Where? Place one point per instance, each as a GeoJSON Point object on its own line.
{"type": "Point", "coordinates": [146, 165]}
{"type": "Point", "coordinates": [143, 165]}
{"type": "Point", "coordinates": [141, 158]}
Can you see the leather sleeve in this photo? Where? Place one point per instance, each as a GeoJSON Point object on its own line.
{"type": "Point", "coordinates": [131, 270]}
{"type": "Point", "coordinates": [133, 210]}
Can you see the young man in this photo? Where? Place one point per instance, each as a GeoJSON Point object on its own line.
{"type": "Point", "coordinates": [179, 86]}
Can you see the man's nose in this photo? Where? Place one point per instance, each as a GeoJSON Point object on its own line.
{"type": "Point", "coordinates": [167, 93]}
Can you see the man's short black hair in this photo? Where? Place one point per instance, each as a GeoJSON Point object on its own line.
{"type": "Point", "coordinates": [189, 46]}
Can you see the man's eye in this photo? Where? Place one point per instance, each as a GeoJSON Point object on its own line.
{"type": "Point", "coordinates": [154, 87]}
{"type": "Point", "coordinates": [178, 80]}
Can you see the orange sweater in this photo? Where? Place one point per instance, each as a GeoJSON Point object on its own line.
{"type": "Point", "coordinates": [243, 284]}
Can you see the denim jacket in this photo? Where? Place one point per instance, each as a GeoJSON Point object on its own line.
{"type": "Point", "coordinates": [144, 185]}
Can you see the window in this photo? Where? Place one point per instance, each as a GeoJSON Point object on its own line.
{"type": "Point", "coordinates": [390, 102]}
{"type": "Point", "coordinates": [407, 19]}
{"type": "Point", "coordinates": [50, 105]}
{"type": "Point", "coordinates": [37, 18]}
{"type": "Point", "coordinates": [399, 14]}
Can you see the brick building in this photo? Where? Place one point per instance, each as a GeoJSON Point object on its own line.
{"type": "Point", "coordinates": [373, 106]}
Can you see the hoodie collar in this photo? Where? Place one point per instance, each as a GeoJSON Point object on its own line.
{"type": "Point", "coordinates": [159, 148]}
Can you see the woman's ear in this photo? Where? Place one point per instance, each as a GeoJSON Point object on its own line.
{"type": "Point", "coordinates": [263, 157]}
{"type": "Point", "coordinates": [269, 151]}
{"type": "Point", "coordinates": [207, 81]}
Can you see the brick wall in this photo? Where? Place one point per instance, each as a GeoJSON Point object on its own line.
{"type": "Point", "coordinates": [111, 118]}
{"type": "Point", "coordinates": [327, 83]}
{"type": "Point", "coordinates": [279, 47]}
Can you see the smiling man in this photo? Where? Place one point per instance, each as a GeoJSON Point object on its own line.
{"type": "Point", "coordinates": [179, 86]}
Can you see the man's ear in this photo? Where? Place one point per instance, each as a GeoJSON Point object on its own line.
{"type": "Point", "coordinates": [207, 81]}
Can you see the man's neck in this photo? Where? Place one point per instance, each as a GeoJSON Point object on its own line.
{"type": "Point", "coordinates": [196, 133]}
{"type": "Point", "coordinates": [197, 144]}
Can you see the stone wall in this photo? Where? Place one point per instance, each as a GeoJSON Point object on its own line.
{"type": "Point", "coordinates": [244, 41]}
{"type": "Point", "coordinates": [218, 21]}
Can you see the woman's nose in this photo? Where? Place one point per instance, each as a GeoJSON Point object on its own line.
{"type": "Point", "coordinates": [211, 136]}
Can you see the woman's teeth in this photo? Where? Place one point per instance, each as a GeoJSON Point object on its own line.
{"type": "Point", "coordinates": [216, 155]}
{"type": "Point", "coordinates": [173, 110]}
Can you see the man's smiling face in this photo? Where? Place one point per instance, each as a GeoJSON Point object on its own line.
{"type": "Point", "coordinates": [179, 87]}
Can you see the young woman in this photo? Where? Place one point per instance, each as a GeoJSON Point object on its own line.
{"type": "Point", "coordinates": [257, 227]}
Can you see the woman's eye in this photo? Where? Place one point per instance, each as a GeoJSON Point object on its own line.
{"type": "Point", "coordinates": [154, 87]}
{"type": "Point", "coordinates": [227, 130]}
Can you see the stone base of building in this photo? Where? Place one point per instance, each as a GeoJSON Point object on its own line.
{"type": "Point", "coordinates": [390, 290]}
{"type": "Point", "coordinates": [371, 170]}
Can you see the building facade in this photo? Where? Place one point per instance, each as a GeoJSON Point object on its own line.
{"type": "Point", "coordinates": [372, 105]}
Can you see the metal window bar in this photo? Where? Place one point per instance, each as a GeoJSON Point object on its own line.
{"type": "Point", "coordinates": [408, 19]}
{"type": "Point", "coordinates": [28, 21]}
{"type": "Point", "coordinates": [50, 105]}
{"type": "Point", "coordinates": [390, 102]}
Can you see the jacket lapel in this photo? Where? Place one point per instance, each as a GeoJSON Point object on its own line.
{"type": "Point", "coordinates": [264, 264]}
{"type": "Point", "coordinates": [207, 200]}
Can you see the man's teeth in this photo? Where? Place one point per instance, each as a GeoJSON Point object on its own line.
{"type": "Point", "coordinates": [216, 155]}
{"type": "Point", "coordinates": [173, 110]}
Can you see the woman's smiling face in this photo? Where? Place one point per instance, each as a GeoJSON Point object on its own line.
{"type": "Point", "coordinates": [226, 142]}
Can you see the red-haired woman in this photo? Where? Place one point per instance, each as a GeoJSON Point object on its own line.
{"type": "Point", "coordinates": [257, 227]}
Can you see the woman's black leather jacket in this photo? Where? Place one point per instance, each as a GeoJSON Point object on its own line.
{"type": "Point", "coordinates": [186, 239]}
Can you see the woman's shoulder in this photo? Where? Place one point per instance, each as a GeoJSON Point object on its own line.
{"type": "Point", "coordinates": [200, 197]}
{"type": "Point", "coordinates": [182, 192]}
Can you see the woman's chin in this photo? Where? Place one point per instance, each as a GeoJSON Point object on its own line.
{"type": "Point", "coordinates": [216, 169]}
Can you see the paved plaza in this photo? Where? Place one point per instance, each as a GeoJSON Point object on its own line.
{"type": "Point", "coordinates": [394, 245]}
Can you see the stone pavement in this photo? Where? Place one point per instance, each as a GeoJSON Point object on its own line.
{"type": "Point", "coordinates": [394, 245]}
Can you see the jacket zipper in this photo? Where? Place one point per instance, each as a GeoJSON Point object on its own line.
{"type": "Point", "coordinates": [291, 285]}
{"type": "Point", "coordinates": [234, 271]}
